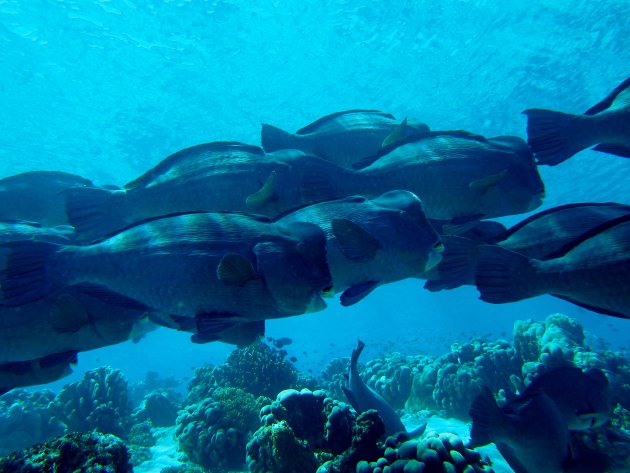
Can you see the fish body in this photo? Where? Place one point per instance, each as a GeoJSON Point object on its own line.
{"type": "Point", "coordinates": [582, 397]}
{"type": "Point", "coordinates": [226, 268]}
{"type": "Point", "coordinates": [555, 136]}
{"type": "Point", "coordinates": [529, 432]}
{"type": "Point", "coordinates": [37, 196]}
{"type": "Point", "coordinates": [363, 398]}
{"type": "Point", "coordinates": [542, 236]}
{"type": "Point", "coordinates": [458, 176]}
{"type": "Point", "coordinates": [38, 371]}
{"type": "Point", "coordinates": [223, 176]}
{"type": "Point", "coordinates": [343, 138]}
{"type": "Point", "coordinates": [594, 272]}
{"type": "Point", "coordinates": [66, 320]}
{"type": "Point", "coordinates": [373, 242]}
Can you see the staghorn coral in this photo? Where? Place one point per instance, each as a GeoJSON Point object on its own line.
{"type": "Point", "coordinates": [97, 402]}
{"type": "Point", "coordinates": [25, 420]}
{"type": "Point", "coordinates": [91, 452]}
{"type": "Point", "coordinates": [443, 453]}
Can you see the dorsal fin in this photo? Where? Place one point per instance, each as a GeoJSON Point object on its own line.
{"type": "Point", "coordinates": [532, 218]}
{"type": "Point", "coordinates": [608, 101]}
{"type": "Point", "coordinates": [563, 250]}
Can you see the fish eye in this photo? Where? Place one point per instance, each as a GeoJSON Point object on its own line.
{"type": "Point", "coordinates": [328, 291]}
{"type": "Point", "coordinates": [439, 247]}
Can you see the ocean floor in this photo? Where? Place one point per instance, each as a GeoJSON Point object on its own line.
{"type": "Point", "coordinates": [165, 452]}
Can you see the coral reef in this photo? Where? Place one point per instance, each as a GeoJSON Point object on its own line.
{"type": "Point", "coordinates": [98, 402]}
{"type": "Point", "coordinates": [391, 376]}
{"type": "Point", "coordinates": [214, 432]}
{"type": "Point", "coordinates": [335, 375]}
{"type": "Point", "coordinates": [24, 420]}
{"type": "Point", "coordinates": [561, 341]}
{"type": "Point", "coordinates": [152, 381]}
{"type": "Point", "coordinates": [443, 453]}
{"type": "Point", "coordinates": [258, 369]}
{"type": "Point", "coordinates": [307, 431]}
{"type": "Point", "coordinates": [158, 408]}
{"type": "Point", "coordinates": [93, 452]}
{"type": "Point", "coordinates": [451, 381]}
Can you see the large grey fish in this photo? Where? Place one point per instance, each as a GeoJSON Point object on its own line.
{"type": "Point", "coordinates": [66, 320]}
{"type": "Point", "coordinates": [343, 137]}
{"type": "Point", "coordinates": [593, 272]}
{"type": "Point", "coordinates": [363, 398]}
{"type": "Point", "coordinates": [555, 136]}
{"type": "Point", "coordinates": [458, 176]}
{"type": "Point", "coordinates": [529, 431]}
{"type": "Point", "coordinates": [36, 196]}
{"type": "Point", "coordinates": [222, 176]}
{"type": "Point", "coordinates": [373, 242]}
{"type": "Point", "coordinates": [543, 235]}
{"type": "Point", "coordinates": [582, 397]}
{"type": "Point", "coordinates": [38, 371]}
{"type": "Point", "coordinates": [222, 268]}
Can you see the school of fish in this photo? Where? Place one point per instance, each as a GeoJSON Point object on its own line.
{"type": "Point", "coordinates": [219, 237]}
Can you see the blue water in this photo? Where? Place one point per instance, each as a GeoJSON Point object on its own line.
{"type": "Point", "coordinates": [107, 89]}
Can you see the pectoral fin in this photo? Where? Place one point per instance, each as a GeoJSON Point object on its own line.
{"type": "Point", "coordinates": [356, 243]}
{"type": "Point", "coordinates": [356, 293]}
{"type": "Point", "coordinates": [485, 183]}
{"type": "Point", "coordinates": [396, 134]}
{"type": "Point", "coordinates": [235, 270]}
{"type": "Point", "coordinates": [263, 196]}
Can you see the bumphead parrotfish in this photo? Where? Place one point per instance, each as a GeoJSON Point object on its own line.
{"type": "Point", "coordinates": [224, 268]}
{"type": "Point", "coordinates": [593, 272]}
{"type": "Point", "coordinates": [373, 242]}
{"type": "Point", "coordinates": [343, 138]}
{"type": "Point", "coordinates": [221, 176]}
{"type": "Point", "coordinates": [555, 136]}
{"type": "Point", "coordinates": [37, 196]}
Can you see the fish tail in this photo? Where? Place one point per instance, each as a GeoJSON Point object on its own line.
{"type": "Point", "coordinates": [356, 353]}
{"type": "Point", "coordinates": [552, 136]}
{"type": "Point", "coordinates": [95, 212]}
{"type": "Point", "coordinates": [503, 275]}
{"type": "Point", "coordinates": [457, 266]}
{"type": "Point", "coordinates": [273, 138]}
{"type": "Point", "coordinates": [26, 277]}
{"type": "Point", "coordinates": [486, 416]}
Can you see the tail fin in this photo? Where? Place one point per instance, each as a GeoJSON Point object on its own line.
{"type": "Point", "coordinates": [552, 136]}
{"type": "Point", "coordinates": [354, 359]}
{"type": "Point", "coordinates": [457, 266]}
{"type": "Point", "coordinates": [25, 278]}
{"type": "Point", "coordinates": [503, 275]}
{"type": "Point", "coordinates": [274, 139]}
{"type": "Point", "coordinates": [95, 212]}
{"type": "Point", "coordinates": [486, 416]}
